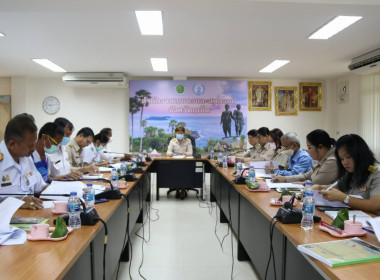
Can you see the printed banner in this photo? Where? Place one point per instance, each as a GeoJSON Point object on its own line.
{"type": "Point", "coordinates": [211, 111]}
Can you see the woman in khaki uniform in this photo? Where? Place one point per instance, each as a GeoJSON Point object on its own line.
{"type": "Point", "coordinates": [321, 149]}
{"type": "Point", "coordinates": [281, 155]}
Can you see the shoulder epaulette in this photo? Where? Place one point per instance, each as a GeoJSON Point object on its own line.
{"type": "Point", "coordinates": [173, 139]}
{"type": "Point", "coordinates": [70, 145]}
{"type": "Point", "coordinates": [1, 156]}
{"type": "Point", "coordinates": [187, 139]}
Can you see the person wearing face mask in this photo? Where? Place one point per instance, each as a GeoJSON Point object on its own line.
{"type": "Point", "coordinates": [180, 145]}
{"type": "Point", "coordinates": [321, 148]}
{"type": "Point", "coordinates": [300, 161]}
{"type": "Point", "coordinates": [68, 129]}
{"type": "Point", "coordinates": [18, 174]}
{"type": "Point", "coordinates": [74, 150]}
{"type": "Point", "coordinates": [93, 152]}
{"type": "Point", "coordinates": [265, 152]}
{"type": "Point", "coordinates": [107, 155]}
{"type": "Point", "coordinates": [281, 156]}
{"type": "Point", "coordinates": [49, 143]}
{"type": "Point", "coordinates": [358, 174]}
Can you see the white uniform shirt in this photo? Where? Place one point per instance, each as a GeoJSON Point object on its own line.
{"type": "Point", "coordinates": [90, 154]}
{"type": "Point", "coordinates": [58, 163]}
{"type": "Point", "coordinates": [21, 177]}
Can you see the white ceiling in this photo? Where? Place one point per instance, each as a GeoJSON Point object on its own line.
{"type": "Point", "coordinates": [202, 38]}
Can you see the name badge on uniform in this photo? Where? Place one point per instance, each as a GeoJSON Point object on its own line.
{"type": "Point", "coordinates": [6, 184]}
{"type": "Point", "coordinates": [363, 189]}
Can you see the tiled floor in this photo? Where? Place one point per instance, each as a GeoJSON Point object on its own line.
{"type": "Point", "coordinates": [183, 245]}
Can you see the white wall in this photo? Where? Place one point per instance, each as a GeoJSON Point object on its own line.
{"type": "Point", "coordinates": [109, 107]}
{"type": "Point", "coordinates": [93, 107]}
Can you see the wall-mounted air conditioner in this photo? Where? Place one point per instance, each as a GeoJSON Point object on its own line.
{"type": "Point", "coordinates": [101, 79]}
{"type": "Point", "coordinates": [366, 63]}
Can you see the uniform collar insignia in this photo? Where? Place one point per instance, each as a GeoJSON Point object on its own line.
{"type": "Point", "coordinates": [1, 156]}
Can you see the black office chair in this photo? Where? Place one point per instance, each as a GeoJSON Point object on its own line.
{"type": "Point", "coordinates": [192, 139]}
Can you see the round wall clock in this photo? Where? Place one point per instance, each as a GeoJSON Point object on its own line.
{"type": "Point", "coordinates": [51, 105]}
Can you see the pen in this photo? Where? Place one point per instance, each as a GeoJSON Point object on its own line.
{"type": "Point", "coordinates": [333, 185]}
{"type": "Point", "coordinates": [274, 180]}
{"type": "Point", "coordinates": [369, 230]}
{"type": "Point", "coordinates": [24, 196]}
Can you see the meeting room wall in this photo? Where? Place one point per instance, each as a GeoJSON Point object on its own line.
{"type": "Point", "coordinates": [109, 107]}
{"type": "Point", "coordinates": [94, 107]}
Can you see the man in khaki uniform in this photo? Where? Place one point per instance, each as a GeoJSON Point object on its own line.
{"type": "Point", "coordinates": [252, 139]}
{"type": "Point", "coordinates": [74, 150]}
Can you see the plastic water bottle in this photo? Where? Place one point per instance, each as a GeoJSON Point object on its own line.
{"type": "Point", "coordinates": [114, 178]}
{"type": "Point", "coordinates": [150, 150]}
{"type": "Point", "coordinates": [89, 196]}
{"type": "Point", "coordinates": [308, 187]}
{"type": "Point", "coordinates": [74, 210]}
{"type": "Point", "coordinates": [220, 157]}
{"type": "Point", "coordinates": [239, 168]}
{"type": "Point", "coordinates": [225, 165]}
{"type": "Point", "coordinates": [123, 168]}
{"type": "Point", "coordinates": [252, 173]}
{"type": "Point", "coordinates": [212, 154]}
{"type": "Point", "coordinates": [307, 221]}
{"type": "Point", "coordinates": [144, 152]}
{"type": "Point", "coordinates": [139, 158]}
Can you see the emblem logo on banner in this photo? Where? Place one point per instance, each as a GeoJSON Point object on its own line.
{"type": "Point", "coordinates": [198, 89]}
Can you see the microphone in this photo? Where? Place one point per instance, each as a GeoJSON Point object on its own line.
{"type": "Point", "coordinates": [233, 153]}
{"type": "Point", "coordinates": [240, 179]}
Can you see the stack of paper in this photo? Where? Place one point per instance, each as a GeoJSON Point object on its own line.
{"type": "Point", "coordinates": [92, 176]}
{"type": "Point", "coordinates": [10, 235]}
{"type": "Point", "coordinates": [59, 187]}
{"type": "Point", "coordinates": [272, 185]}
{"type": "Point", "coordinates": [105, 169]}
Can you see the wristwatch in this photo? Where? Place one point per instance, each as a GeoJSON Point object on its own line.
{"type": "Point", "coordinates": [347, 199]}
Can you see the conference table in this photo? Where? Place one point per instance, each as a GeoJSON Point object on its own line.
{"type": "Point", "coordinates": [80, 255]}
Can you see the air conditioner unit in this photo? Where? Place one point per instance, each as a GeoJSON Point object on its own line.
{"type": "Point", "coordinates": [366, 63]}
{"type": "Point", "coordinates": [100, 79]}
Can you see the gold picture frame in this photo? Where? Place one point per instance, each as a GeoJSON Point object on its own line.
{"type": "Point", "coordinates": [310, 98]}
{"type": "Point", "coordinates": [286, 101]}
{"type": "Point", "coordinates": [260, 96]}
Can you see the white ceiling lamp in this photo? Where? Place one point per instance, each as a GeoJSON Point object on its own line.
{"type": "Point", "coordinates": [49, 65]}
{"type": "Point", "coordinates": [2, 35]}
{"type": "Point", "coordinates": [159, 64]}
{"type": "Point", "coordinates": [334, 26]}
{"type": "Point", "coordinates": [274, 66]}
{"type": "Point", "coordinates": [150, 22]}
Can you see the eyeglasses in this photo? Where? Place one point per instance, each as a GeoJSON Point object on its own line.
{"type": "Point", "coordinates": [286, 147]}
{"type": "Point", "coordinates": [51, 138]}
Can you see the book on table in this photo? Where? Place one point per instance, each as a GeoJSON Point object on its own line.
{"type": "Point", "coordinates": [342, 252]}
{"type": "Point", "coordinates": [25, 223]}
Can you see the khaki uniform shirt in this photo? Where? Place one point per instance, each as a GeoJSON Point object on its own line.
{"type": "Point", "coordinates": [264, 153]}
{"type": "Point", "coordinates": [74, 154]}
{"type": "Point", "coordinates": [184, 148]}
{"type": "Point", "coordinates": [282, 157]}
{"type": "Point", "coordinates": [325, 172]}
{"type": "Point", "coordinates": [370, 188]}
{"type": "Point", "coordinates": [250, 155]}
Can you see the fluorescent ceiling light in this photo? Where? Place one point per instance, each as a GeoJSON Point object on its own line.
{"type": "Point", "coordinates": [159, 64]}
{"type": "Point", "coordinates": [334, 26]}
{"type": "Point", "coordinates": [1, 34]}
{"type": "Point", "coordinates": [49, 65]}
{"type": "Point", "coordinates": [274, 66]}
{"type": "Point", "coordinates": [150, 22]}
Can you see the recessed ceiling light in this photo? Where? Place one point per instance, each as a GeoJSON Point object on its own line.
{"type": "Point", "coordinates": [159, 64]}
{"type": "Point", "coordinates": [334, 26]}
{"type": "Point", "coordinates": [274, 66]}
{"type": "Point", "coordinates": [2, 35]}
{"type": "Point", "coordinates": [150, 22]}
{"type": "Point", "coordinates": [49, 65]}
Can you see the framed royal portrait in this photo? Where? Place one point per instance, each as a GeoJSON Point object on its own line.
{"type": "Point", "coordinates": [286, 101]}
{"type": "Point", "coordinates": [260, 96]}
{"type": "Point", "coordinates": [310, 96]}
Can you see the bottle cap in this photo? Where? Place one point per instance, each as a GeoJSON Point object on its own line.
{"type": "Point", "coordinates": [73, 193]}
{"type": "Point", "coordinates": [89, 185]}
{"type": "Point", "coordinates": [113, 169]}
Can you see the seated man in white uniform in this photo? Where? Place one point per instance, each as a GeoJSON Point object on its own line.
{"type": "Point", "coordinates": [18, 174]}
{"type": "Point", "coordinates": [106, 152]}
{"type": "Point", "coordinates": [93, 152]}
{"type": "Point", "coordinates": [49, 157]}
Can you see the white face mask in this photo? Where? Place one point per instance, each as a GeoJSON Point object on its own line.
{"type": "Point", "coordinates": [272, 145]}
{"type": "Point", "coordinates": [110, 140]}
{"type": "Point", "coordinates": [289, 152]}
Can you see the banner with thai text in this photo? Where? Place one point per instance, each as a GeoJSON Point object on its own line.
{"type": "Point", "coordinates": [211, 111]}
